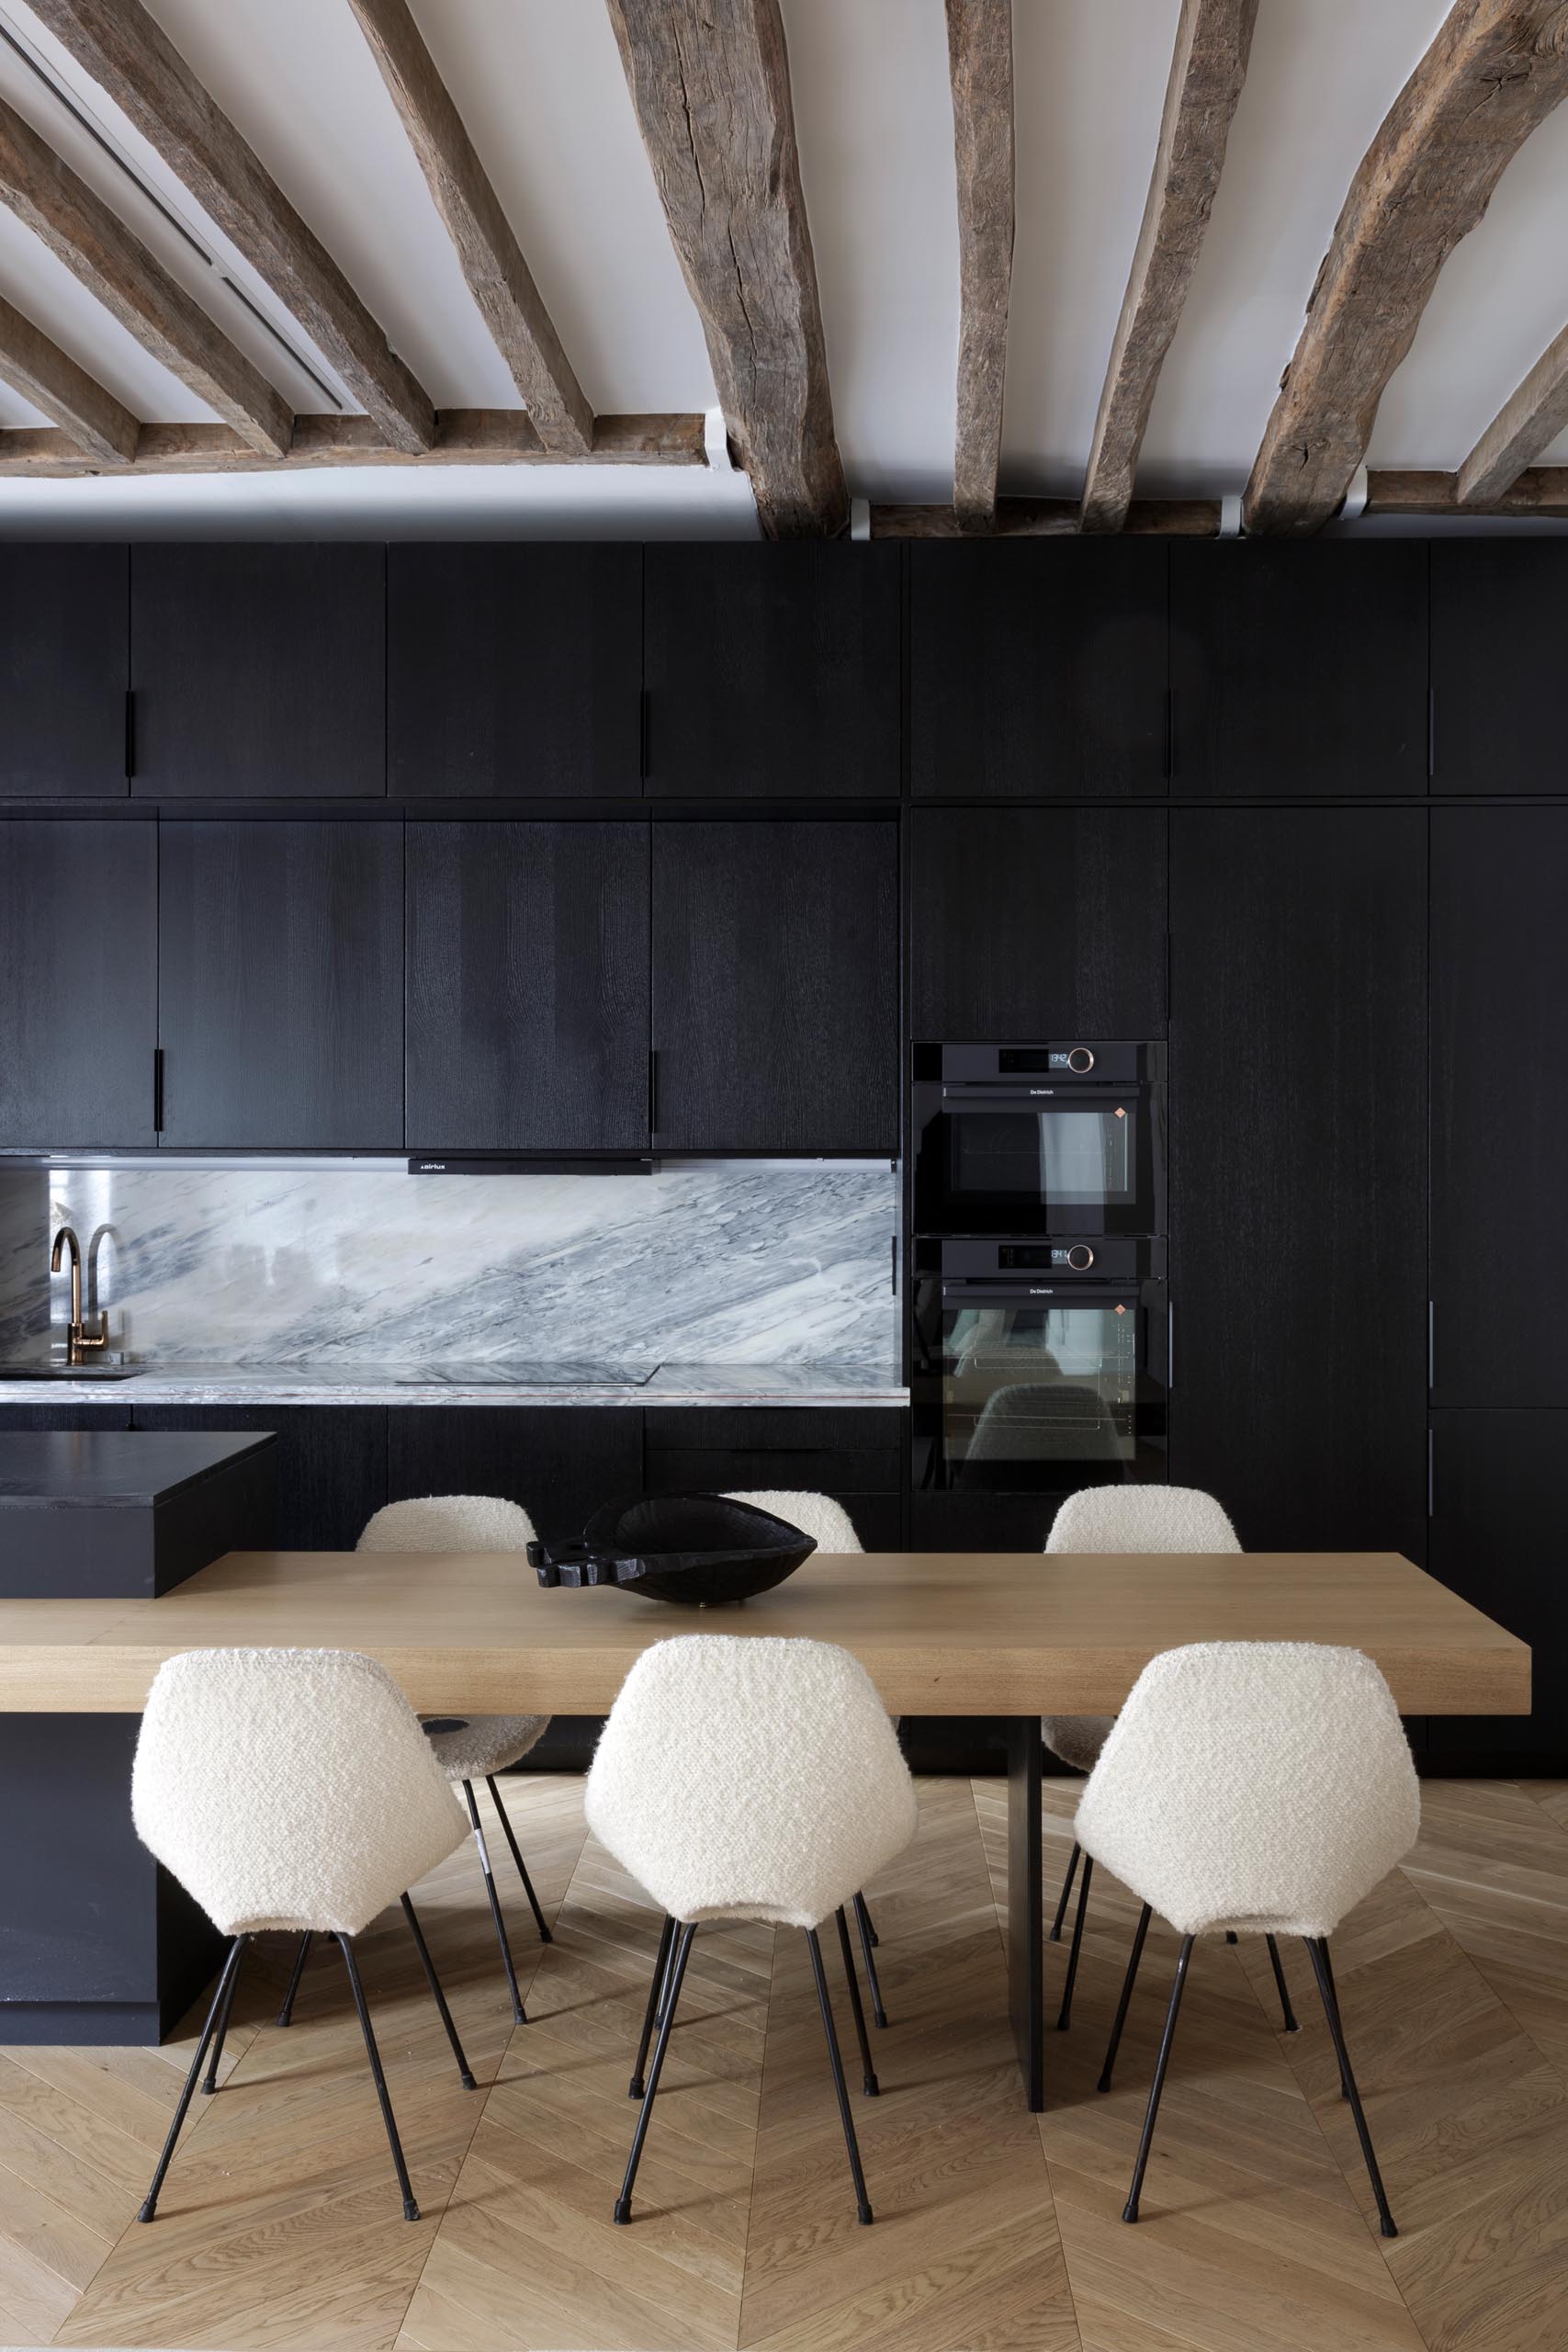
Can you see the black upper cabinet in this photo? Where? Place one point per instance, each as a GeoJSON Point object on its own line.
{"type": "Point", "coordinates": [280, 959]}
{"type": "Point", "coordinates": [78, 981]}
{"type": "Point", "coordinates": [513, 670]}
{"type": "Point", "coordinates": [259, 672]}
{"type": "Point", "coordinates": [771, 670]}
{"type": "Point", "coordinates": [1297, 667]}
{"type": "Point", "coordinates": [1037, 922]}
{"type": "Point", "coordinates": [1499, 963]}
{"type": "Point", "coordinates": [1038, 667]}
{"type": "Point", "coordinates": [1499, 609]}
{"type": "Point", "coordinates": [64, 655]}
{"type": "Point", "coordinates": [776, 986]}
{"type": "Point", "coordinates": [1298, 1098]}
{"type": "Point", "coordinates": [1496, 1539]}
{"type": "Point", "coordinates": [527, 986]}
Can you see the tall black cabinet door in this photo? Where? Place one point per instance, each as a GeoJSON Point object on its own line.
{"type": "Point", "coordinates": [1037, 922]}
{"type": "Point", "coordinates": [527, 986]}
{"type": "Point", "coordinates": [64, 667]}
{"type": "Point", "coordinates": [1499, 951]}
{"type": "Point", "coordinates": [513, 670]}
{"type": "Point", "coordinates": [1297, 667]}
{"type": "Point", "coordinates": [1298, 1102]}
{"type": "Point", "coordinates": [1499, 609]}
{"type": "Point", "coordinates": [1496, 1539]}
{"type": "Point", "coordinates": [280, 960]}
{"type": "Point", "coordinates": [260, 672]}
{"type": "Point", "coordinates": [776, 986]}
{"type": "Point", "coordinates": [78, 981]}
{"type": "Point", "coordinates": [1038, 666]}
{"type": "Point", "coordinates": [773, 669]}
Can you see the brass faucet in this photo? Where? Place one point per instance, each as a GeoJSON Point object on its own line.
{"type": "Point", "coordinates": [82, 1342]}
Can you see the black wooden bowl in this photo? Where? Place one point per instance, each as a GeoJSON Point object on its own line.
{"type": "Point", "coordinates": [702, 1550]}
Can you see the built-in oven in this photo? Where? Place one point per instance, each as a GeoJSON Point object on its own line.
{"type": "Point", "coordinates": [1057, 1137]}
{"type": "Point", "coordinates": [1037, 1366]}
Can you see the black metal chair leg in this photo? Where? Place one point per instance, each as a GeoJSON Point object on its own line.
{"type": "Point", "coordinates": [464, 2069]}
{"type": "Point", "coordinates": [1318, 1948]}
{"type": "Point", "coordinates": [1065, 2017]}
{"type": "Point", "coordinates": [1125, 2002]}
{"type": "Point", "coordinates": [655, 1988]}
{"type": "Point", "coordinates": [216, 2055]}
{"type": "Point", "coordinates": [868, 2073]}
{"type": "Point", "coordinates": [1287, 2013]}
{"type": "Point", "coordinates": [539, 1920]}
{"type": "Point", "coordinates": [1056, 1934]}
{"type": "Point", "coordinates": [681, 1949]}
{"type": "Point", "coordinates": [286, 2013]}
{"type": "Point", "coordinates": [219, 2000]}
{"type": "Point", "coordinates": [520, 2016]}
{"type": "Point", "coordinates": [1130, 2210]}
{"type": "Point", "coordinates": [868, 1937]}
{"type": "Point", "coordinates": [862, 2203]}
{"type": "Point", "coordinates": [410, 2211]}
{"type": "Point", "coordinates": [1231, 1935]}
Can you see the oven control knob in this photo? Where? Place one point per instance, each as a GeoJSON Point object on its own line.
{"type": "Point", "coordinates": [1081, 1059]}
{"type": "Point", "coordinates": [1081, 1257]}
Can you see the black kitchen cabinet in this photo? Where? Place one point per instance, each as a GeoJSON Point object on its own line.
{"type": "Point", "coordinates": [1297, 667]}
{"type": "Point", "coordinates": [1499, 975]}
{"type": "Point", "coordinates": [1496, 1538]}
{"type": "Point", "coordinates": [259, 672]}
{"type": "Point", "coordinates": [773, 669]}
{"type": "Point", "coordinates": [1299, 1173]}
{"type": "Point", "coordinates": [527, 986]}
{"type": "Point", "coordinates": [64, 668]}
{"type": "Point", "coordinates": [513, 670]}
{"type": "Point", "coordinates": [854, 1454]}
{"type": "Point", "coordinates": [78, 981]}
{"type": "Point", "coordinates": [562, 1462]}
{"type": "Point", "coordinates": [280, 962]}
{"type": "Point", "coordinates": [1037, 922]}
{"type": "Point", "coordinates": [16, 1419]}
{"type": "Point", "coordinates": [331, 1459]}
{"type": "Point", "coordinates": [776, 986]}
{"type": "Point", "coordinates": [1037, 667]}
{"type": "Point", "coordinates": [1498, 611]}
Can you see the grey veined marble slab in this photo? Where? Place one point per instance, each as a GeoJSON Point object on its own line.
{"type": "Point", "coordinates": [395, 1384]}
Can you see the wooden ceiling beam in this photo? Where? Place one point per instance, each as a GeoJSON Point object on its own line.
{"type": "Point", "coordinates": [1049, 518]}
{"type": "Point", "coordinates": [709, 81]}
{"type": "Point", "coordinates": [131, 58]}
{"type": "Point", "coordinates": [979, 56]}
{"type": "Point", "coordinates": [464, 436]}
{"type": "Point", "coordinates": [1540, 490]}
{"type": "Point", "coordinates": [1522, 428]}
{"type": "Point", "coordinates": [93, 243]}
{"type": "Point", "coordinates": [498, 276]}
{"type": "Point", "coordinates": [96, 423]}
{"type": "Point", "coordinates": [1208, 67]}
{"type": "Point", "coordinates": [1495, 69]}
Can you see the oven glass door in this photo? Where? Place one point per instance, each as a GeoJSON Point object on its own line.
{"type": "Point", "coordinates": [1036, 1396]}
{"type": "Point", "coordinates": [1086, 1162]}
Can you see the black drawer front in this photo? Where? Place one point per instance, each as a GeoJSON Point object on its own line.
{"type": "Point", "coordinates": [821, 1450]}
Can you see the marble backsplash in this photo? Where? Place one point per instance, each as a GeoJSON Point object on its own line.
{"type": "Point", "coordinates": [723, 1262]}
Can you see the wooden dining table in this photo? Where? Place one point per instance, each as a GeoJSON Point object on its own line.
{"type": "Point", "coordinates": [1014, 1635]}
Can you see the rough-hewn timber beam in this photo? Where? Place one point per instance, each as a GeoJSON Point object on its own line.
{"type": "Point", "coordinates": [979, 56]}
{"type": "Point", "coordinates": [709, 80]}
{"type": "Point", "coordinates": [1049, 518]}
{"type": "Point", "coordinates": [1522, 428]}
{"type": "Point", "coordinates": [1214, 39]}
{"type": "Point", "coordinates": [464, 436]}
{"type": "Point", "coordinates": [1495, 69]}
{"type": "Point", "coordinates": [132, 59]}
{"type": "Point", "coordinates": [499, 279]}
{"type": "Point", "coordinates": [38, 368]}
{"type": "Point", "coordinates": [95, 245]}
{"type": "Point", "coordinates": [1540, 490]}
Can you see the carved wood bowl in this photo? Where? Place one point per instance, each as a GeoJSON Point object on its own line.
{"type": "Point", "coordinates": [700, 1551]}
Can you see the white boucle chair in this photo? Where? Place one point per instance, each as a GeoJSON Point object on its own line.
{"type": "Point", "coordinates": [467, 1748]}
{"type": "Point", "coordinates": [1260, 1787]}
{"type": "Point", "coordinates": [291, 1788]}
{"type": "Point", "coordinates": [743, 1779]}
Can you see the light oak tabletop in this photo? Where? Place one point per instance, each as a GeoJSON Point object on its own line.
{"type": "Point", "coordinates": [941, 1633]}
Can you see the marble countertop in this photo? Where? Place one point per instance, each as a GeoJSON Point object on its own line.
{"type": "Point", "coordinates": [415, 1383]}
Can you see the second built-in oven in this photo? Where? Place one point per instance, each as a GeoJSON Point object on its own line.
{"type": "Point", "coordinates": [1063, 1137]}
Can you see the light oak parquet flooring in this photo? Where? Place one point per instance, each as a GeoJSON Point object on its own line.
{"type": "Point", "coordinates": [280, 2222]}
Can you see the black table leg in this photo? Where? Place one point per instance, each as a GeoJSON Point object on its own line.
{"type": "Point", "coordinates": [1026, 1906]}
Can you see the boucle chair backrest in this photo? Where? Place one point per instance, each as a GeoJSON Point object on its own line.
{"type": "Point", "coordinates": [290, 1788]}
{"type": "Point", "coordinates": [1263, 1785]}
{"type": "Point", "coordinates": [750, 1779]}
{"type": "Point", "coordinates": [818, 1516]}
{"type": "Point", "coordinates": [1141, 1519]}
{"type": "Point", "coordinates": [449, 1523]}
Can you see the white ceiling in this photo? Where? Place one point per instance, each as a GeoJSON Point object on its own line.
{"type": "Point", "coordinates": [539, 85]}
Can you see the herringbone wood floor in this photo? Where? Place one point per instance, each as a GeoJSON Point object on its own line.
{"type": "Point", "coordinates": [280, 2225]}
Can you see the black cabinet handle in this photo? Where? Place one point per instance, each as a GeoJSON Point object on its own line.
{"type": "Point", "coordinates": [157, 1089]}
